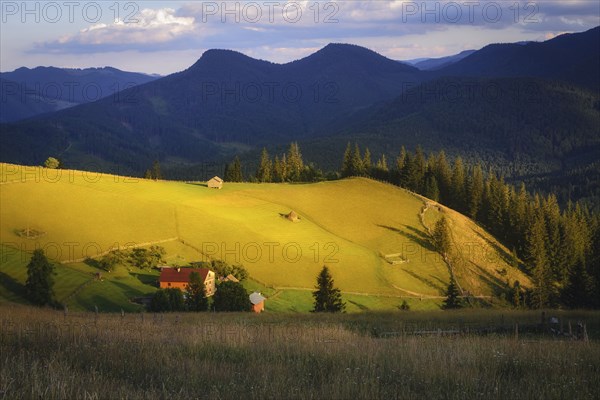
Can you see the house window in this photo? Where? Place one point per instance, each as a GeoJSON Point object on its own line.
{"type": "Point", "coordinates": [169, 284]}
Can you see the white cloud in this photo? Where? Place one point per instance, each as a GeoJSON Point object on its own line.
{"type": "Point", "coordinates": [148, 27]}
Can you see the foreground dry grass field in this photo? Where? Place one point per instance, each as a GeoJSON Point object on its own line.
{"type": "Point", "coordinates": [45, 354]}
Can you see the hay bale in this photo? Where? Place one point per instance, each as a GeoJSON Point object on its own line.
{"type": "Point", "coordinates": [292, 216]}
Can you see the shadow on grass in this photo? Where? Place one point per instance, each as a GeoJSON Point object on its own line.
{"type": "Point", "coordinates": [497, 285]}
{"type": "Point", "coordinates": [444, 284]}
{"type": "Point", "coordinates": [416, 236]}
{"type": "Point", "coordinates": [106, 305]}
{"type": "Point", "coordinates": [426, 281]}
{"type": "Point", "coordinates": [146, 279]}
{"type": "Point", "coordinates": [92, 263]}
{"type": "Point", "coordinates": [197, 184]}
{"type": "Point", "coordinates": [361, 307]}
{"type": "Point", "coordinates": [505, 256]}
{"type": "Point", "coordinates": [12, 285]}
{"type": "Point", "coordinates": [128, 290]}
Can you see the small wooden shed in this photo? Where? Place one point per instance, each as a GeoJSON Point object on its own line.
{"type": "Point", "coordinates": [292, 216]}
{"type": "Point", "coordinates": [215, 183]}
{"type": "Point", "coordinates": [258, 302]}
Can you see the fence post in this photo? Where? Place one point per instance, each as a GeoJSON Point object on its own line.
{"type": "Point", "coordinates": [543, 320]}
{"type": "Point", "coordinates": [570, 330]}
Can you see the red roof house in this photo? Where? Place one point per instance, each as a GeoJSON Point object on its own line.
{"type": "Point", "coordinates": [180, 277]}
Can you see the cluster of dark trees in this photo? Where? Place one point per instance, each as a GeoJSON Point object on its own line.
{"type": "Point", "coordinates": [137, 257]}
{"type": "Point", "coordinates": [229, 296]}
{"type": "Point", "coordinates": [39, 287]}
{"type": "Point", "coordinates": [287, 167]}
{"type": "Point", "coordinates": [154, 172]}
{"type": "Point", "coordinates": [560, 249]}
{"type": "Point", "coordinates": [223, 268]}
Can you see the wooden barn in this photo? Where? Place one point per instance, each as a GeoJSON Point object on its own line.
{"type": "Point", "coordinates": [180, 277]}
{"type": "Point", "coordinates": [215, 183]}
{"type": "Point", "coordinates": [258, 302]}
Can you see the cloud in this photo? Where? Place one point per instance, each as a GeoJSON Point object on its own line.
{"type": "Point", "coordinates": [147, 30]}
{"type": "Point", "coordinates": [276, 33]}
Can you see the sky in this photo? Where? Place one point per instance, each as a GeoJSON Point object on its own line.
{"type": "Point", "coordinates": [163, 37]}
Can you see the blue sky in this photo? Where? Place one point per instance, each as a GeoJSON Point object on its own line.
{"type": "Point", "coordinates": [169, 36]}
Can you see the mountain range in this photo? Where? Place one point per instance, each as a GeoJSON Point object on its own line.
{"type": "Point", "coordinates": [28, 92]}
{"type": "Point", "coordinates": [429, 64]}
{"type": "Point", "coordinates": [535, 103]}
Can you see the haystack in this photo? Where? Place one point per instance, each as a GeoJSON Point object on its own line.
{"type": "Point", "coordinates": [292, 216]}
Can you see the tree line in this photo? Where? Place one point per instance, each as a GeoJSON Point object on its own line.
{"type": "Point", "coordinates": [286, 167]}
{"type": "Point", "coordinates": [560, 249]}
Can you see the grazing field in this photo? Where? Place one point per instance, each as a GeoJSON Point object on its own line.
{"type": "Point", "coordinates": [46, 354]}
{"type": "Point", "coordinates": [373, 236]}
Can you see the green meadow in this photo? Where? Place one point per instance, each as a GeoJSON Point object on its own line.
{"type": "Point", "coordinates": [373, 237]}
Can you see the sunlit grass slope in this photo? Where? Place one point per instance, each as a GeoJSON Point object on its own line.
{"type": "Point", "coordinates": [373, 236]}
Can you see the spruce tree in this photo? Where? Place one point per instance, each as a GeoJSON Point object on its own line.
{"type": "Point", "coordinates": [518, 218]}
{"type": "Point", "coordinates": [278, 175]}
{"type": "Point", "coordinates": [441, 236]}
{"type": "Point", "coordinates": [156, 172]}
{"type": "Point", "coordinates": [356, 162]}
{"type": "Point", "coordinates": [579, 290]}
{"type": "Point", "coordinates": [458, 188]}
{"type": "Point", "coordinates": [382, 163]}
{"type": "Point", "coordinates": [537, 258]}
{"type": "Point", "coordinates": [418, 168]}
{"type": "Point", "coordinates": [443, 176]}
{"type": "Point", "coordinates": [40, 279]}
{"type": "Point", "coordinates": [295, 165]}
{"type": "Point", "coordinates": [347, 162]}
{"type": "Point", "coordinates": [452, 300]}
{"type": "Point", "coordinates": [406, 172]}
{"type": "Point", "coordinates": [381, 170]}
{"type": "Point", "coordinates": [367, 165]}
{"type": "Point", "coordinates": [551, 213]}
{"type": "Point", "coordinates": [264, 172]}
{"type": "Point", "coordinates": [431, 189]}
{"type": "Point", "coordinates": [399, 167]}
{"type": "Point", "coordinates": [475, 192]}
{"type": "Point", "coordinates": [327, 297]}
{"type": "Point", "coordinates": [284, 169]}
{"type": "Point", "coordinates": [233, 171]}
{"type": "Point", "coordinates": [196, 295]}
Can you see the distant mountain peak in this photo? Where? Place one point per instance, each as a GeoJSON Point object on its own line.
{"type": "Point", "coordinates": [337, 49]}
{"type": "Point", "coordinates": [224, 57]}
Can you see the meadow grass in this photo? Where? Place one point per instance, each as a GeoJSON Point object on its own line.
{"type": "Point", "coordinates": [349, 225]}
{"type": "Point", "coordinates": [46, 354]}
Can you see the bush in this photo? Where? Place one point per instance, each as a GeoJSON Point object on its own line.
{"type": "Point", "coordinates": [231, 296]}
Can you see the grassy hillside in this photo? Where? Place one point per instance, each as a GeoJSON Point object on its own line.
{"type": "Point", "coordinates": [373, 236]}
